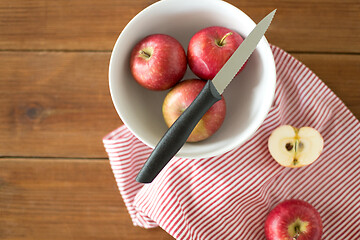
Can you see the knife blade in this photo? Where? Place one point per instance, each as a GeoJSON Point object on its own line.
{"type": "Point", "coordinates": [176, 136]}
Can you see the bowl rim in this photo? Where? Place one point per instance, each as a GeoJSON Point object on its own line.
{"type": "Point", "coordinates": [252, 127]}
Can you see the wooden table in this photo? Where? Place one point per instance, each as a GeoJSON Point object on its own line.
{"type": "Point", "coordinates": [55, 107]}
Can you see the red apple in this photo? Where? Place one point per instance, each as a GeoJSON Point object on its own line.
{"type": "Point", "coordinates": [294, 220]}
{"type": "Point", "coordinates": [180, 97]}
{"type": "Point", "coordinates": [158, 62]}
{"type": "Point", "coordinates": [210, 48]}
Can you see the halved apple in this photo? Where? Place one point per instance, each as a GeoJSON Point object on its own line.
{"type": "Point", "coordinates": [292, 147]}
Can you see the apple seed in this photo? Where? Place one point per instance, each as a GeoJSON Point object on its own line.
{"type": "Point", "coordinates": [301, 146]}
{"type": "Point", "coordinates": [289, 146]}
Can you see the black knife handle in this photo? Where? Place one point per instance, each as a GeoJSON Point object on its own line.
{"type": "Point", "coordinates": [176, 136]}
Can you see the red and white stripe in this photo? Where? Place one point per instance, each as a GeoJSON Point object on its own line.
{"type": "Point", "coordinates": [229, 196]}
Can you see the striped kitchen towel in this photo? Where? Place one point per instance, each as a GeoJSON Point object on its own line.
{"type": "Point", "coordinates": [229, 196]}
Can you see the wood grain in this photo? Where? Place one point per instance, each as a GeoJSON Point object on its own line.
{"type": "Point", "coordinates": [340, 72]}
{"type": "Point", "coordinates": [64, 199]}
{"type": "Point", "coordinates": [57, 104]}
{"type": "Point", "coordinates": [305, 25]}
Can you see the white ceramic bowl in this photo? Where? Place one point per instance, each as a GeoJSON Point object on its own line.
{"type": "Point", "coordinates": [249, 96]}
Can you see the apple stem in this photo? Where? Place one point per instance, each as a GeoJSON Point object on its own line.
{"type": "Point", "coordinates": [296, 145]}
{"type": "Point", "coordinates": [145, 54]}
{"type": "Point", "coordinates": [223, 38]}
{"type": "Point", "coordinates": [296, 149]}
{"type": "Point", "coordinates": [297, 233]}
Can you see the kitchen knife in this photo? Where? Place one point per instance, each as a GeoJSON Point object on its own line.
{"type": "Point", "coordinates": [176, 136]}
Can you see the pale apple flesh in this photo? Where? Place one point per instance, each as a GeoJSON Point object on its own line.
{"type": "Point", "coordinates": [293, 219]}
{"type": "Point", "coordinates": [180, 97]}
{"type": "Point", "coordinates": [292, 147]}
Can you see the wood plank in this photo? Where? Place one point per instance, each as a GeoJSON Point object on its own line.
{"type": "Point", "coordinates": [306, 25]}
{"type": "Point", "coordinates": [55, 104]}
{"type": "Point", "coordinates": [64, 199]}
{"type": "Point", "coordinates": [58, 104]}
{"type": "Point", "coordinates": [340, 73]}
